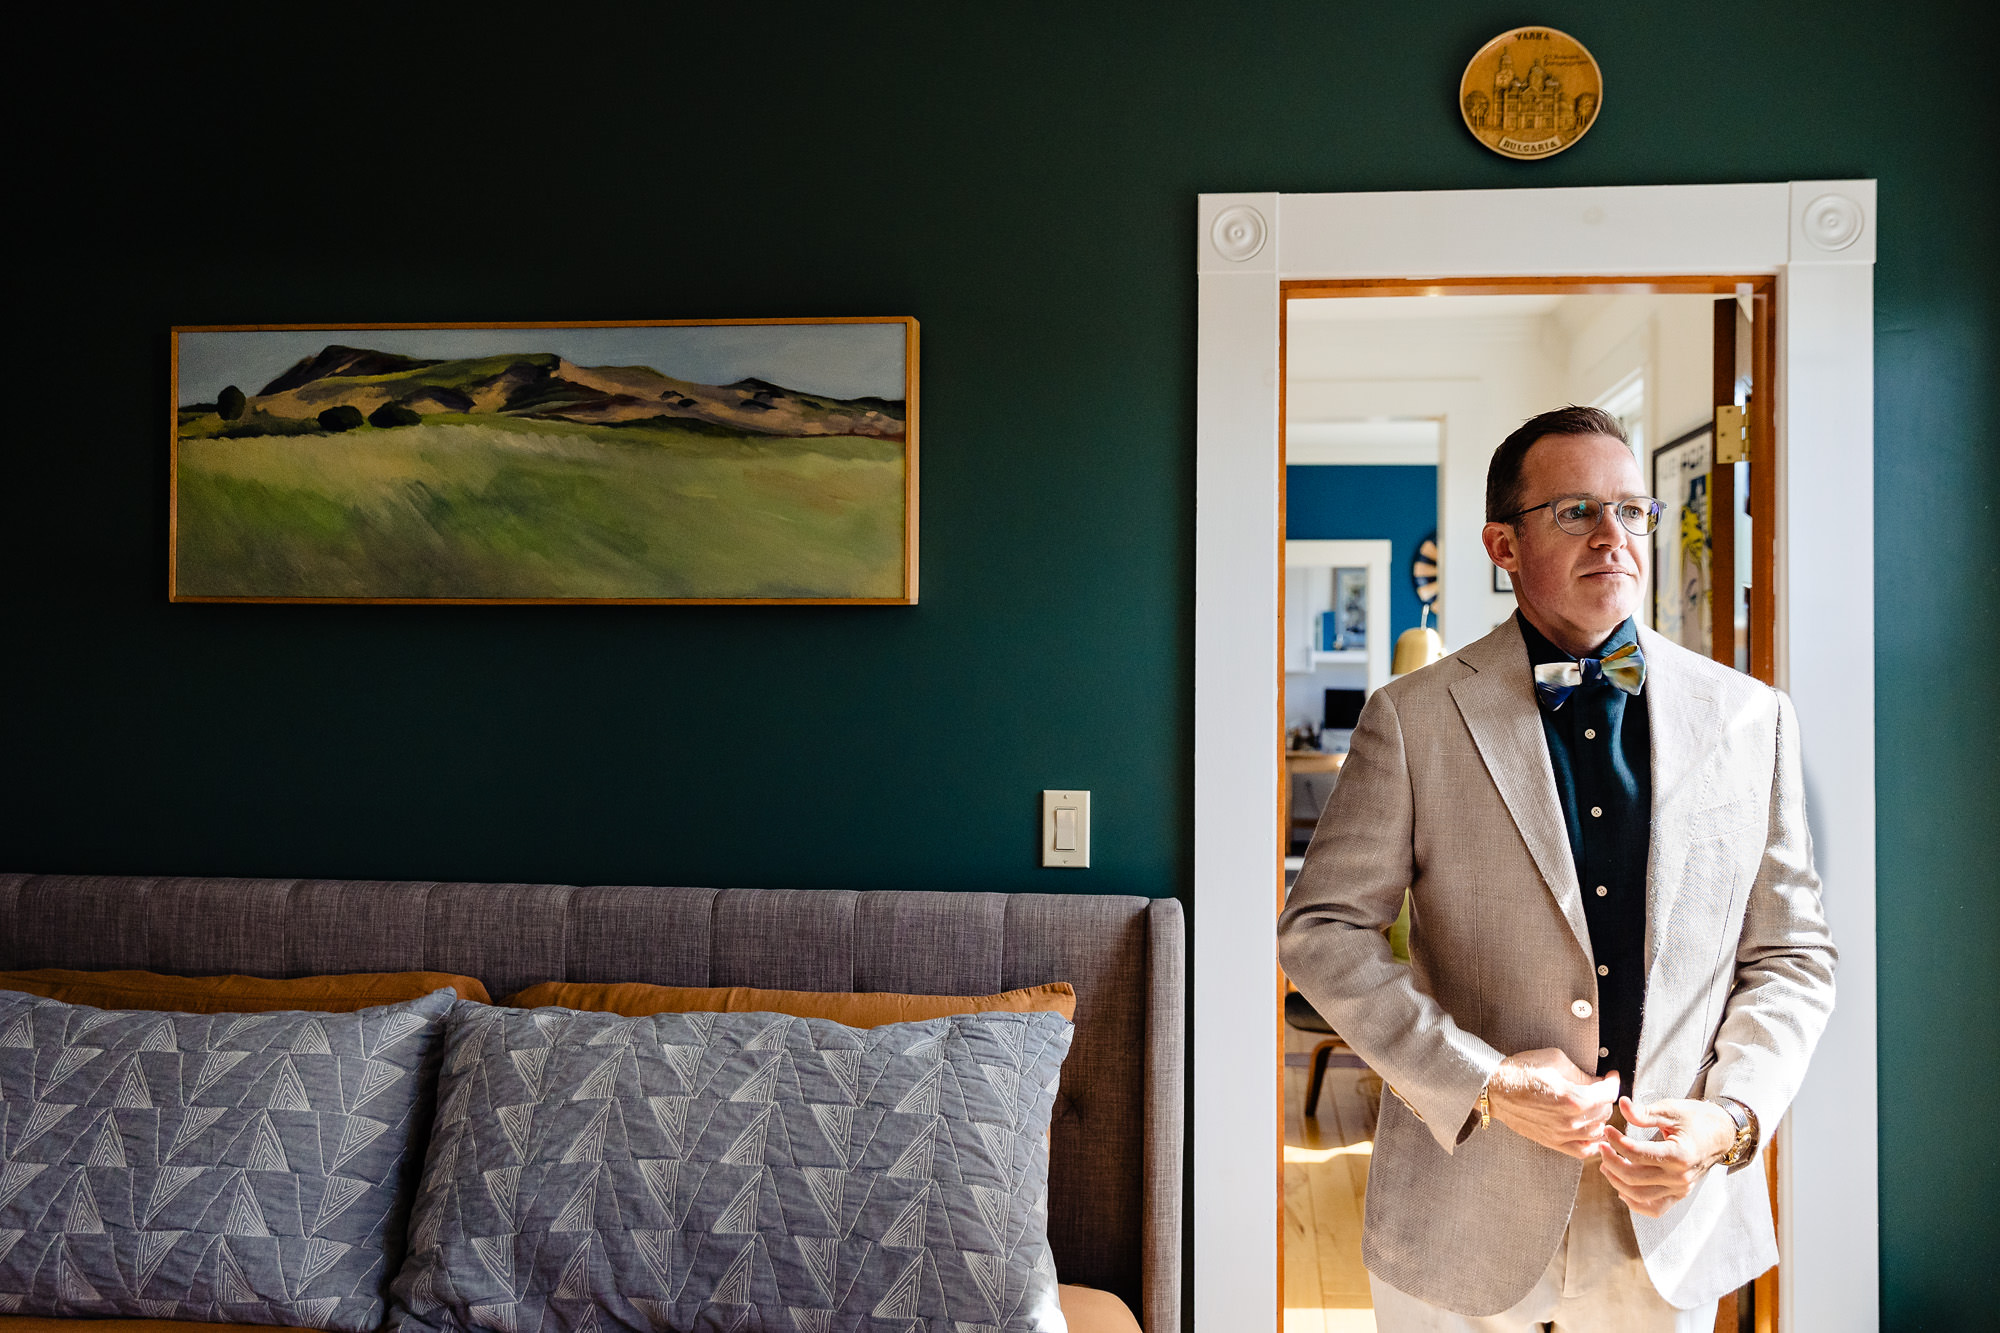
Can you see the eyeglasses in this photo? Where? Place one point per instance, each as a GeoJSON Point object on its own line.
{"type": "Point", "coordinates": [1579, 515]}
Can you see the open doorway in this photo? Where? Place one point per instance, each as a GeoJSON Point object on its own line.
{"type": "Point", "coordinates": [1394, 397]}
{"type": "Point", "coordinates": [1818, 238]}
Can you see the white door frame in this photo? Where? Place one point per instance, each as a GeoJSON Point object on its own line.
{"type": "Point", "coordinates": [1818, 237]}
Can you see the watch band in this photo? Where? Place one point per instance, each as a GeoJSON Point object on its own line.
{"type": "Point", "coordinates": [1746, 1131]}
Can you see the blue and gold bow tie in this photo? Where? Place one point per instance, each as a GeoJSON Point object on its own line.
{"type": "Point", "coordinates": [1621, 667]}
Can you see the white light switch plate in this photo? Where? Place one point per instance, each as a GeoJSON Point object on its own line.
{"type": "Point", "coordinates": [1076, 806]}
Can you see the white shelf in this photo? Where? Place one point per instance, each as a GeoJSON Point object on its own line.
{"type": "Point", "coordinates": [1309, 591]}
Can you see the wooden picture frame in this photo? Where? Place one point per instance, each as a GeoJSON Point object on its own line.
{"type": "Point", "coordinates": [761, 461]}
{"type": "Point", "coordinates": [1683, 601]}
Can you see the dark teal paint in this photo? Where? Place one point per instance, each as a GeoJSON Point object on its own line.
{"type": "Point", "coordinates": [1352, 501]}
{"type": "Point", "coordinates": [1021, 178]}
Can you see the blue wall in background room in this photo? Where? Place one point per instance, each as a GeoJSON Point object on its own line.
{"type": "Point", "coordinates": [1364, 502]}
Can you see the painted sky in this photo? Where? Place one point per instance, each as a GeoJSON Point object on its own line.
{"type": "Point", "coordinates": [837, 360]}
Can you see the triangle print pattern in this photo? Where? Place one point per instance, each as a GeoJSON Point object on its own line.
{"type": "Point", "coordinates": [581, 1211]}
{"type": "Point", "coordinates": [496, 1255]}
{"type": "Point", "coordinates": [210, 1066]}
{"type": "Point", "coordinates": [133, 1093]}
{"type": "Point", "coordinates": [168, 1182]}
{"type": "Point", "coordinates": [190, 1125]}
{"type": "Point", "coordinates": [152, 1251]}
{"type": "Point", "coordinates": [109, 1150]}
{"type": "Point", "coordinates": [68, 1060]}
{"type": "Point", "coordinates": [265, 1149]}
{"type": "Point", "coordinates": [16, 1177]}
{"type": "Point", "coordinates": [208, 1167]}
{"type": "Point", "coordinates": [83, 1217]}
{"type": "Point", "coordinates": [376, 1076]}
{"type": "Point", "coordinates": [736, 1171]}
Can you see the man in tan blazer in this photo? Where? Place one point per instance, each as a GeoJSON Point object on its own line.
{"type": "Point", "coordinates": [1604, 841]}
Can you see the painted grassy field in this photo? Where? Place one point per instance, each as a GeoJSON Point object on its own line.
{"type": "Point", "coordinates": [479, 507]}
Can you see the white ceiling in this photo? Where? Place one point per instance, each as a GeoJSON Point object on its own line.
{"type": "Point", "coordinates": [1383, 440]}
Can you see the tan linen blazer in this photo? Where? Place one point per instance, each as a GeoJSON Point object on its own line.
{"type": "Point", "coordinates": [1448, 790]}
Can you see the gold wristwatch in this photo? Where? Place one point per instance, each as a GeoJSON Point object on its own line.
{"type": "Point", "coordinates": [1746, 1132]}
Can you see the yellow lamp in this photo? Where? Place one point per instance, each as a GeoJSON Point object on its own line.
{"type": "Point", "coordinates": [1417, 648]}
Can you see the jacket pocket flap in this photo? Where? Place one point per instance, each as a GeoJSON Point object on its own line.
{"type": "Point", "coordinates": [1728, 817]}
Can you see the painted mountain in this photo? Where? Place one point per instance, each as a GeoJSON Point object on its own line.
{"type": "Point", "coordinates": [359, 474]}
{"type": "Point", "coordinates": [538, 386]}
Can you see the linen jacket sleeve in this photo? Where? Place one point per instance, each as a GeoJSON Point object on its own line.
{"type": "Point", "coordinates": [1333, 946]}
{"type": "Point", "coordinates": [1785, 958]}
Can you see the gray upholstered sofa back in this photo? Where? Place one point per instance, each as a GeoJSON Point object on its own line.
{"type": "Point", "coordinates": [1115, 1196]}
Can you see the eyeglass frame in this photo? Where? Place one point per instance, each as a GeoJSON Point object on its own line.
{"type": "Point", "coordinates": [1657, 512]}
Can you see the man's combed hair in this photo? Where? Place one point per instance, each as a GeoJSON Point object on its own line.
{"type": "Point", "coordinates": [1503, 474]}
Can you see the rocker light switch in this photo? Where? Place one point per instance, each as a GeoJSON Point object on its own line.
{"type": "Point", "coordinates": [1066, 829]}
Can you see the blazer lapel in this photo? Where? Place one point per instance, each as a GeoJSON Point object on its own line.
{"type": "Point", "coordinates": [1497, 702]}
{"type": "Point", "coordinates": [1684, 722]}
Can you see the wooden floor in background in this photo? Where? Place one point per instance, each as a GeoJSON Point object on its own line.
{"type": "Point", "coordinates": [1326, 1177]}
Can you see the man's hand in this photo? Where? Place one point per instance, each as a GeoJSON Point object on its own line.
{"type": "Point", "coordinates": [1543, 1096]}
{"type": "Point", "coordinates": [1652, 1175]}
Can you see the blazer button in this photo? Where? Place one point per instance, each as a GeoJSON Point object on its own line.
{"type": "Point", "coordinates": [1581, 1008]}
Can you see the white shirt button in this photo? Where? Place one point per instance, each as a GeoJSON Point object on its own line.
{"type": "Point", "coordinates": [1603, 971]}
{"type": "Point", "coordinates": [1581, 1008]}
{"type": "Point", "coordinates": [1596, 810]}
{"type": "Point", "coordinates": [1601, 890]}
{"type": "Point", "coordinates": [1603, 1052]}
{"type": "Point", "coordinates": [1590, 733]}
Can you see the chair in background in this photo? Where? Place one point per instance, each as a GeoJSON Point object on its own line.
{"type": "Point", "coordinates": [1300, 1014]}
{"type": "Point", "coordinates": [1315, 773]}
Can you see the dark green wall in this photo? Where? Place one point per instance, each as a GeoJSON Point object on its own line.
{"type": "Point", "coordinates": [1023, 181]}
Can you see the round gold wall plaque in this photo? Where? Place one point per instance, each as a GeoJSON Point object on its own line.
{"type": "Point", "coordinates": [1531, 93]}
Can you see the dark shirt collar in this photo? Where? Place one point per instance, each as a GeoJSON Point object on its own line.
{"type": "Point", "coordinates": [1541, 651]}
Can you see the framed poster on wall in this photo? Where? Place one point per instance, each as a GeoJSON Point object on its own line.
{"type": "Point", "coordinates": [767, 460]}
{"type": "Point", "coordinates": [1350, 609]}
{"type": "Point", "coordinates": [1683, 553]}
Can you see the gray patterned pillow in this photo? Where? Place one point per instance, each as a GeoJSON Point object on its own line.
{"type": "Point", "coordinates": [737, 1171]}
{"type": "Point", "coordinates": [232, 1168]}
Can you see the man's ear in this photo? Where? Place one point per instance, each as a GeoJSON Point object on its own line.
{"type": "Point", "coordinates": [1503, 546]}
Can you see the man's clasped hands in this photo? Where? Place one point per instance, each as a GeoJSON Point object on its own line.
{"type": "Point", "coordinates": [1543, 1096]}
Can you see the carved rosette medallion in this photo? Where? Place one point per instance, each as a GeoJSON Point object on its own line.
{"type": "Point", "coordinates": [1833, 222]}
{"type": "Point", "coordinates": [1530, 93]}
{"type": "Point", "coordinates": [1238, 233]}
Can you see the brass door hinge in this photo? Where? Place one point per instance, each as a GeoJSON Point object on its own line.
{"type": "Point", "coordinates": [1732, 436]}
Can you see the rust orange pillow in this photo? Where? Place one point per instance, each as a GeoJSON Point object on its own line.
{"type": "Point", "coordinates": [339, 994]}
{"type": "Point", "coordinates": [1088, 1310]}
{"type": "Point", "coordinates": [857, 1009]}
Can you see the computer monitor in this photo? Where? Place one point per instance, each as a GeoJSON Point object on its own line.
{"type": "Point", "coordinates": [1343, 709]}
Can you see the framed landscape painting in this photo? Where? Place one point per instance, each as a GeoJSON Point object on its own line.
{"type": "Point", "coordinates": [668, 461]}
